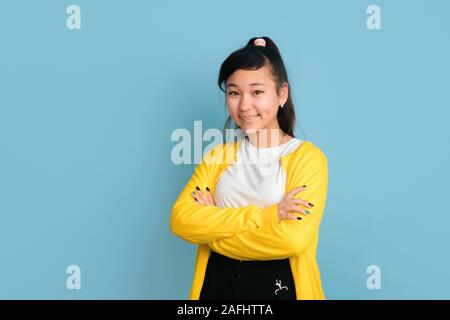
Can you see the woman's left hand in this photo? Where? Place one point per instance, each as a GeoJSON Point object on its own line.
{"type": "Point", "coordinates": [204, 198]}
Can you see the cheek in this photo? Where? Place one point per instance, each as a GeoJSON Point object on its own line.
{"type": "Point", "coordinates": [233, 106]}
{"type": "Point", "coordinates": [233, 111]}
{"type": "Point", "coordinates": [265, 107]}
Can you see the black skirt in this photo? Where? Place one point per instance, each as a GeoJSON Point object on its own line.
{"type": "Point", "coordinates": [232, 279]}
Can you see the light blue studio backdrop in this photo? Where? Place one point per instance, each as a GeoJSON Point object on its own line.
{"type": "Point", "coordinates": [86, 117]}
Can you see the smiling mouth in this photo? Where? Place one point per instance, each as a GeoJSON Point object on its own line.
{"type": "Point", "coordinates": [249, 118]}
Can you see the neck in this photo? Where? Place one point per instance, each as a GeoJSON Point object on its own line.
{"type": "Point", "coordinates": [266, 138]}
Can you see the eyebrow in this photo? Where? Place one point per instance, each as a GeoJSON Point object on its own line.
{"type": "Point", "coordinates": [252, 84]}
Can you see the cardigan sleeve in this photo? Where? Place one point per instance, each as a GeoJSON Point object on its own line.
{"type": "Point", "coordinates": [285, 238]}
{"type": "Point", "coordinates": [200, 224]}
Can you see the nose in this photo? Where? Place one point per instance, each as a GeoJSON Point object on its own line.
{"type": "Point", "coordinates": [245, 104]}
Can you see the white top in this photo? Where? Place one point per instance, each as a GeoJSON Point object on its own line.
{"type": "Point", "coordinates": [256, 177]}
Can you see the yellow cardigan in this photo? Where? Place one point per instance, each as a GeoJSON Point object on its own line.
{"type": "Point", "coordinates": [253, 232]}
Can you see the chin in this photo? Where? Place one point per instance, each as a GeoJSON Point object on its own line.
{"type": "Point", "coordinates": [249, 129]}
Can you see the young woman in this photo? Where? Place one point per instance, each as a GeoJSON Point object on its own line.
{"type": "Point", "coordinates": [256, 237]}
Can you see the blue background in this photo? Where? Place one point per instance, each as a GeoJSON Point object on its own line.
{"type": "Point", "coordinates": [86, 118]}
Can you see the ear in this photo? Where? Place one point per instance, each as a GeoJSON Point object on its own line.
{"type": "Point", "coordinates": [283, 94]}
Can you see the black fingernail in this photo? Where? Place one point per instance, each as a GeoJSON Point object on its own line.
{"type": "Point", "coordinates": [207, 189]}
{"type": "Point", "coordinates": [299, 218]}
{"type": "Point", "coordinates": [195, 198]}
{"type": "Point", "coordinates": [197, 188]}
{"type": "Point", "coordinates": [310, 204]}
{"type": "Point", "coordinates": [303, 186]}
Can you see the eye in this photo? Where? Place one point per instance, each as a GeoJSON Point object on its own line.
{"type": "Point", "coordinates": [230, 93]}
{"type": "Point", "coordinates": [259, 91]}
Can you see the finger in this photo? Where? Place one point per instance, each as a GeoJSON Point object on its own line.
{"type": "Point", "coordinates": [211, 198]}
{"type": "Point", "coordinates": [291, 193]}
{"type": "Point", "coordinates": [204, 197]}
{"type": "Point", "coordinates": [200, 201]}
{"type": "Point", "coordinates": [201, 196]}
{"type": "Point", "coordinates": [195, 192]}
{"type": "Point", "coordinates": [300, 210]}
{"type": "Point", "coordinates": [197, 197]}
{"type": "Point", "coordinates": [302, 202]}
{"type": "Point", "coordinates": [290, 216]}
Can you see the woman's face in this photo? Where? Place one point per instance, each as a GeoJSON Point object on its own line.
{"type": "Point", "coordinates": [252, 99]}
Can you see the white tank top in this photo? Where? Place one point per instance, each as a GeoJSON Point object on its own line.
{"type": "Point", "coordinates": [256, 177]}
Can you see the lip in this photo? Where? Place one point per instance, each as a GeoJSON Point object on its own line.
{"type": "Point", "coordinates": [249, 118]}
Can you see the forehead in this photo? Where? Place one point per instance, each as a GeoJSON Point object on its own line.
{"type": "Point", "coordinates": [247, 78]}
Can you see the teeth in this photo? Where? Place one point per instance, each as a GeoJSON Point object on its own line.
{"type": "Point", "coordinates": [249, 118]}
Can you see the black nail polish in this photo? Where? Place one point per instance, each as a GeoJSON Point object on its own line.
{"type": "Point", "coordinates": [303, 186]}
{"type": "Point", "coordinates": [197, 188]}
{"type": "Point", "coordinates": [299, 218]}
{"type": "Point", "coordinates": [207, 189]}
{"type": "Point", "coordinates": [195, 198]}
{"type": "Point", "coordinates": [310, 204]}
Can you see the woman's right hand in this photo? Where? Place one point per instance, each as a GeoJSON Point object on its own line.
{"type": "Point", "coordinates": [289, 204]}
